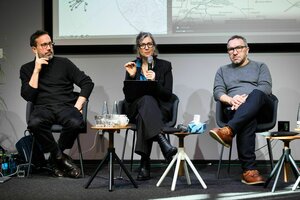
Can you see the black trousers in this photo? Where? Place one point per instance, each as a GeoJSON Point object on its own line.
{"type": "Point", "coordinates": [44, 116]}
{"type": "Point", "coordinates": [148, 116]}
{"type": "Point", "coordinates": [243, 121]}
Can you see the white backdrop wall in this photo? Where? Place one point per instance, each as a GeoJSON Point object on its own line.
{"type": "Point", "coordinates": [193, 83]}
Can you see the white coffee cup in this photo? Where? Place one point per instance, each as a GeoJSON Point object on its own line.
{"type": "Point", "coordinates": [123, 120]}
{"type": "Point", "coordinates": [100, 120]}
{"type": "Point", "coordinates": [115, 119]}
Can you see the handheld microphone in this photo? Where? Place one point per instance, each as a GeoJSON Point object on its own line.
{"type": "Point", "coordinates": [150, 60]}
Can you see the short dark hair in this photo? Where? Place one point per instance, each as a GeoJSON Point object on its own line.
{"type": "Point", "coordinates": [238, 37]}
{"type": "Point", "coordinates": [35, 35]}
{"type": "Point", "coordinates": [139, 38]}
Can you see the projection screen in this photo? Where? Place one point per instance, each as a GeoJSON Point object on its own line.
{"type": "Point", "coordinates": [173, 22]}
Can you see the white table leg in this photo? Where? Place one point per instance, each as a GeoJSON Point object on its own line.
{"type": "Point", "coordinates": [187, 174]}
{"type": "Point", "coordinates": [167, 170]}
{"type": "Point", "coordinates": [195, 171]}
{"type": "Point", "coordinates": [181, 156]}
{"type": "Point", "coordinates": [296, 183]}
{"type": "Point", "coordinates": [176, 170]}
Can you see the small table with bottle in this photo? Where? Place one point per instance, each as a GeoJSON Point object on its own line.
{"type": "Point", "coordinates": [111, 124]}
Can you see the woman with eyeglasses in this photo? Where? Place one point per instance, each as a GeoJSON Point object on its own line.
{"type": "Point", "coordinates": [150, 111]}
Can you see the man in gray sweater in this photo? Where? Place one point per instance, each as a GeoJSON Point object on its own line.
{"type": "Point", "coordinates": [244, 86]}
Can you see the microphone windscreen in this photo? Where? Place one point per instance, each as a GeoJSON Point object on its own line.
{"type": "Point", "coordinates": [150, 59]}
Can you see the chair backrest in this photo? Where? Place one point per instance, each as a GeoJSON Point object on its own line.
{"type": "Point", "coordinates": [84, 116]}
{"type": "Point", "coordinates": [261, 127]}
{"type": "Point", "coordinates": [29, 109]}
{"type": "Point", "coordinates": [220, 116]}
{"type": "Point", "coordinates": [57, 127]}
{"type": "Point", "coordinates": [171, 123]}
{"type": "Point", "coordinates": [175, 101]}
{"type": "Point", "coordinates": [271, 124]}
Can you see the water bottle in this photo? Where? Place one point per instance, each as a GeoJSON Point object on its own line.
{"type": "Point", "coordinates": [298, 117]}
{"type": "Point", "coordinates": [1, 162]}
{"type": "Point", "coordinates": [115, 108]}
{"type": "Point", "coordinates": [2, 153]}
{"type": "Point", "coordinates": [104, 108]}
{"type": "Point", "coordinates": [4, 165]}
{"type": "Point", "coordinates": [12, 165]}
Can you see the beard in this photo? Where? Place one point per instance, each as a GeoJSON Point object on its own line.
{"type": "Point", "coordinates": [241, 62]}
{"type": "Point", "coordinates": [49, 55]}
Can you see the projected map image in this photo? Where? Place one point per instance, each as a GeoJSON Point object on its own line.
{"type": "Point", "coordinates": [174, 21]}
{"type": "Point", "coordinates": [74, 4]}
{"type": "Point", "coordinates": [194, 15]}
{"type": "Point", "coordinates": [94, 18]}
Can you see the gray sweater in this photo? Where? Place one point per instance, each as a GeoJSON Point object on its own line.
{"type": "Point", "coordinates": [233, 80]}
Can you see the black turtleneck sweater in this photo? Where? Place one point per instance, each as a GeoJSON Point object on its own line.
{"type": "Point", "coordinates": [56, 82]}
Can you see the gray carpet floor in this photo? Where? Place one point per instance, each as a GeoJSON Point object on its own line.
{"type": "Point", "coordinates": [42, 186]}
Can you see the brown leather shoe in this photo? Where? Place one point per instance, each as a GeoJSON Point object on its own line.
{"type": "Point", "coordinates": [252, 177]}
{"type": "Point", "coordinates": [222, 135]}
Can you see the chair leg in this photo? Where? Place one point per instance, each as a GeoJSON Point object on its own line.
{"type": "Point", "coordinates": [30, 157]}
{"type": "Point", "coordinates": [270, 153]}
{"type": "Point", "coordinates": [229, 160]}
{"type": "Point", "coordinates": [132, 150]}
{"type": "Point", "coordinates": [220, 161]}
{"type": "Point", "coordinates": [123, 152]}
{"type": "Point", "coordinates": [80, 156]}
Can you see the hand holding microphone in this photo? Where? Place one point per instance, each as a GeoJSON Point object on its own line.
{"type": "Point", "coordinates": [150, 74]}
{"type": "Point", "coordinates": [150, 60]}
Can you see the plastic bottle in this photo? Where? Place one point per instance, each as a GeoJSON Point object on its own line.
{"type": "Point", "coordinates": [2, 152]}
{"type": "Point", "coordinates": [1, 162]}
{"type": "Point", "coordinates": [12, 165]}
{"type": "Point", "coordinates": [104, 108]}
{"type": "Point", "coordinates": [115, 108]}
{"type": "Point", "coordinates": [298, 117]}
{"type": "Point", "coordinates": [4, 165]}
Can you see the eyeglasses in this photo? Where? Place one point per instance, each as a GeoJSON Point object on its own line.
{"type": "Point", "coordinates": [238, 49]}
{"type": "Point", "coordinates": [143, 45]}
{"type": "Point", "coordinates": [45, 45]}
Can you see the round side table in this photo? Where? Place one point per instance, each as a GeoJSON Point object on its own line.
{"type": "Point", "coordinates": [181, 158]}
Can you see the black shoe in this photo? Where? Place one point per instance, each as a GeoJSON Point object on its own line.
{"type": "Point", "coordinates": [143, 175]}
{"type": "Point", "coordinates": [167, 149]}
{"type": "Point", "coordinates": [57, 172]}
{"type": "Point", "coordinates": [69, 167]}
{"type": "Point", "coordinates": [54, 168]}
{"type": "Point", "coordinates": [65, 166]}
{"type": "Point", "coordinates": [144, 171]}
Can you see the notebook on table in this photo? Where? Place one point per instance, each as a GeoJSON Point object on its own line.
{"type": "Point", "coordinates": [134, 89]}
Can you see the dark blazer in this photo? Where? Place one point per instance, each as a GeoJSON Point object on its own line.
{"type": "Point", "coordinates": [164, 77]}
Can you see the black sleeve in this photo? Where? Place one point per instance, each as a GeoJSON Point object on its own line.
{"type": "Point", "coordinates": [27, 92]}
{"type": "Point", "coordinates": [164, 77]}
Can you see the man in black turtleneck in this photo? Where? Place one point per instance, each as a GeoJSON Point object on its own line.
{"type": "Point", "coordinates": [48, 81]}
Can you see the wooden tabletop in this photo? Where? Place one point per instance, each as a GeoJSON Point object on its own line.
{"type": "Point", "coordinates": [284, 137]}
{"type": "Point", "coordinates": [293, 137]}
{"type": "Point", "coordinates": [110, 127]}
{"type": "Point", "coordinates": [182, 133]}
